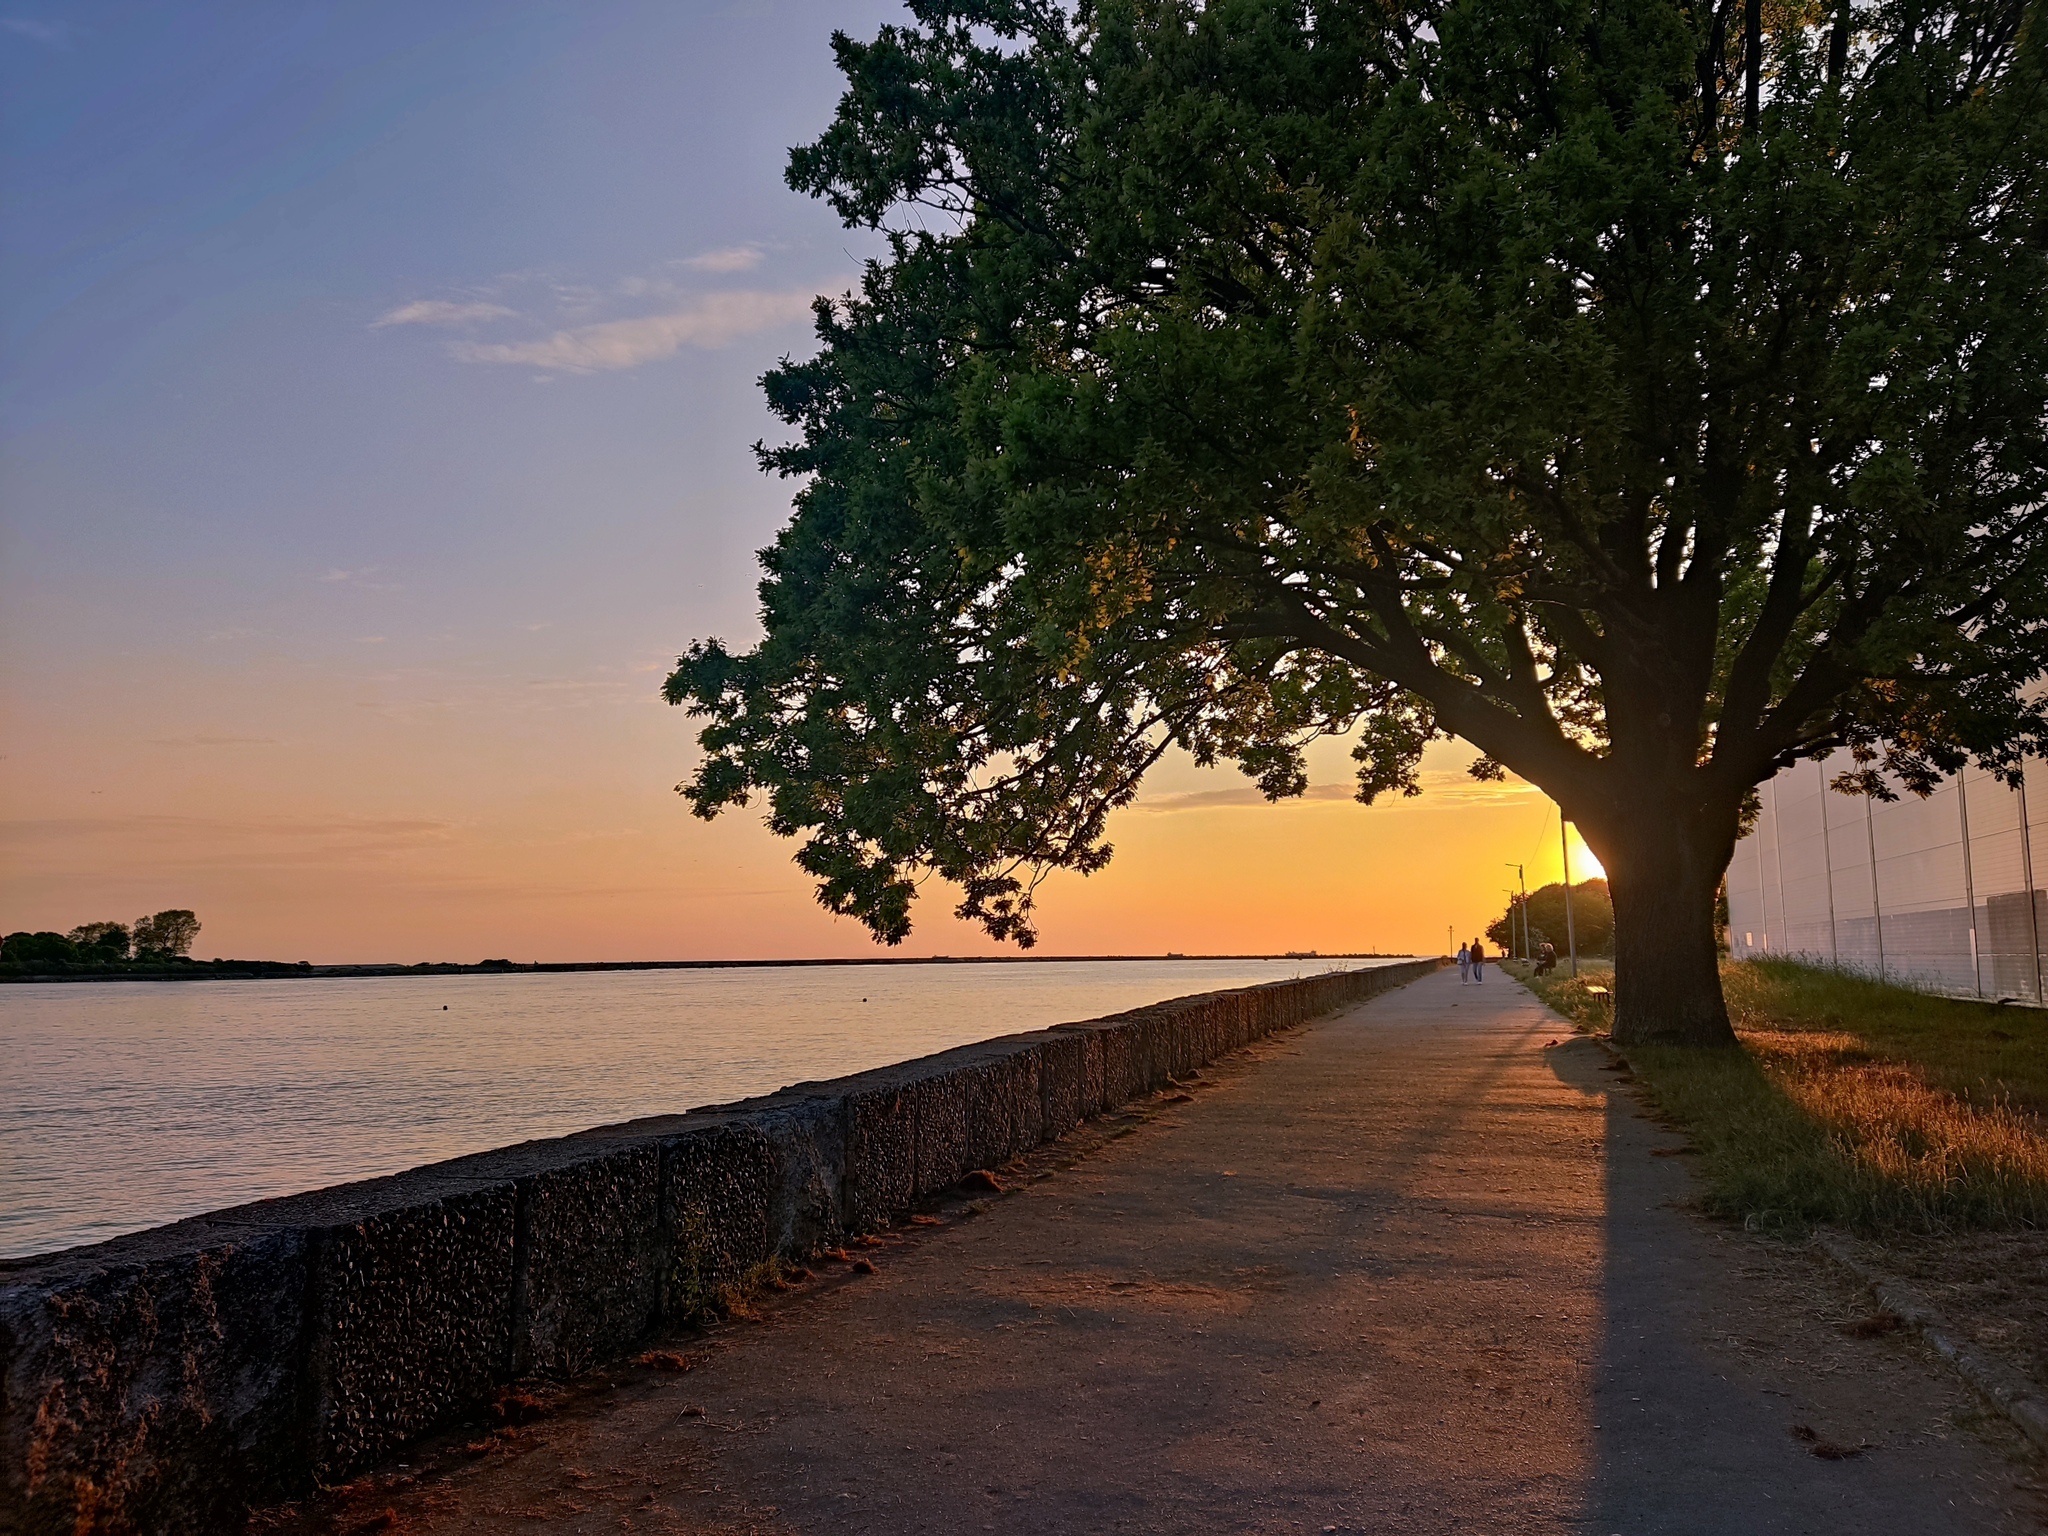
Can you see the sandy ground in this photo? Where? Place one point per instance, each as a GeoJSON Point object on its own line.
{"type": "Point", "coordinates": [1991, 1288]}
{"type": "Point", "coordinates": [1422, 1266]}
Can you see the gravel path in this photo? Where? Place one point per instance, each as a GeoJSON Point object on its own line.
{"type": "Point", "coordinates": [1419, 1267]}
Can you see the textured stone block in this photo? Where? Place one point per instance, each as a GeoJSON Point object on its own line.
{"type": "Point", "coordinates": [937, 1095]}
{"type": "Point", "coordinates": [719, 1184]}
{"type": "Point", "coordinates": [807, 1139]}
{"type": "Point", "coordinates": [1124, 1068]}
{"type": "Point", "coordinates": [1094, 1084]}
{"type": "Point", "coordinates": [881, 1149]}
{"type": "Point", "coordinates": [588, 1282]}
{"type": "Point", "coordinates": [1005, 1117]}
{"type": "Point", "coordinates": [1062, 1081]}
{"type": "Point", "coordinates": [1237, 1028]}
{"type": "Point", "coordinates": [152, 1384]}
{"type": "Point", "coordinates": [1194, 1041]}
{"type": "Point", "coordinates": [1161, 1051]}
{"type": "Point", "coordinates": [412, 1318]}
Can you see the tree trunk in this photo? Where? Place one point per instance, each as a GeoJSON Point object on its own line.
{"type": "Point", "coordinates": [1664, 874]}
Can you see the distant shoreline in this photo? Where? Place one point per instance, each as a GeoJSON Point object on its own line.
{"type": "Point", "coordinates": [275, 970]}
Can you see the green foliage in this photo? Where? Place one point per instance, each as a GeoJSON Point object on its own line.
{"type": "Point", "coordinates": [1649, 410]}
{"type": "Point", "coordinates": [101, 942]}
{"type": "Point", "coordinates": [44, 948]}
{"type": "Point", "coordinates": [167, 935]}
{"type": "Point", "coordinates": [1592, 919]}
{"type": "Point", "coordinates": [169, 932]}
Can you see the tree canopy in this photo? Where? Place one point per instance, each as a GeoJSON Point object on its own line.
{"type": "Point", "coordinates": [1592, 921]}
{"type": "Point", "coordinates": [1649, 392]}
{"type": "Point", "coordinates": [107, 941]}
{"type": "Point", "coordinates": [169, 932]}
{"type": "Point", "coordinates": [166, 934]}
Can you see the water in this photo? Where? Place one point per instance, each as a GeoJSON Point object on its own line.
{"type": "Point", "coordinates": [127, 1104]}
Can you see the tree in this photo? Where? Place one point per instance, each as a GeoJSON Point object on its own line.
{"type": "Point", "coordinates": [106, 941]}
{"type": "Point", "coordinates": [43, 948]}
{"type": "Point", "coordinates": [1650, 394]}
{"type": "Point", "coordinates": [169, 932]}
{"type": "Point", "coordinates": [1592, 921]}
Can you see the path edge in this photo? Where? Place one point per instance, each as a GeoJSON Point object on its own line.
{"type": "Point", "coordinates": [2010, 1394]}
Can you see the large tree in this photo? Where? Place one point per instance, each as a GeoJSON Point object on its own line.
{"type": "Point", "coordinates": [1649, 392]}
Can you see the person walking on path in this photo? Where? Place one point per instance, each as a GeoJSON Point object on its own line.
{"type": "Point", "coordinates": [1478, 961]}
{"type": "Point", "coordinates": [1464, 964]}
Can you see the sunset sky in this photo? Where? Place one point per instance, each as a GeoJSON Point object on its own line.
{"type": "Point", "coordinates": [376, 401]}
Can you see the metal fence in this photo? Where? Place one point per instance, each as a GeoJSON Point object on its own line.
{"type": "Point", "coordinates": [1943, 893]}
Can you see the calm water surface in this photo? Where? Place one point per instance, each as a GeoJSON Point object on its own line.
{"type": "Point", "coordinates": [126, 1104]}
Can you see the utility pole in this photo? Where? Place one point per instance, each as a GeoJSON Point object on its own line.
{"type": "Point", "coordinates": [1571, 937]}
{"type": "Point", "coordinates": [1528, 951]}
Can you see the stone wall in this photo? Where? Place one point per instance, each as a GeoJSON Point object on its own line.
{"type": "Point", "coordinates": [167, 1381]}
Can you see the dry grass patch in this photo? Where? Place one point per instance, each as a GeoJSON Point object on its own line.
{"type": "Point", "coordinates": [1854, 1103]}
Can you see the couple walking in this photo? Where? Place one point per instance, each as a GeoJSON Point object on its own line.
{"type": "Point", "coordinates": [1471, 963]}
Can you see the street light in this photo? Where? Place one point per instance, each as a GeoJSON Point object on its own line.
{"type": "Point", "coordinates": [1528, 951]}
{"type": "Point", "coordinates": [1571, 937]}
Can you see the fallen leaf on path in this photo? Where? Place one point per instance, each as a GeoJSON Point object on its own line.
{"type": "Point", "coordinates": [1826, 1450]}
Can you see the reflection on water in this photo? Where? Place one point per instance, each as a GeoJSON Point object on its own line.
{"type": "Point", "coordinates": [126, 1104]}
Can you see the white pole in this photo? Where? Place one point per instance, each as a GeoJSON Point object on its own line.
{"type": "Point", "coordinates": [1827, 859]}
{"type": "Point", "coordinates": [1571, 936]}
{"type": "Point", "coordinates": [1876, 899]}
{"type": "Point", "coordinates": [2027, 873]}
{"type": "Point", "coordinates": [1969, 881]}
{"type": "Point", "coordinates": [1778, 858]}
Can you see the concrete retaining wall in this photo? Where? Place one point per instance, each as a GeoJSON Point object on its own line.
{"type": "Point", "coordinates": [166, 1382]}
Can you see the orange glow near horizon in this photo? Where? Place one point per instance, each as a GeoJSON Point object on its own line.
{"type": "Point", "coordinates": [396, 832]}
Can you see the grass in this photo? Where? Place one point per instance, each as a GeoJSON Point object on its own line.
{"type": "Point", "coordinates": [1852, 1102]}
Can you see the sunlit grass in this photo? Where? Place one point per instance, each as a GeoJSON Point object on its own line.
{"type": "Point", "coordinates": [1852, 1102]}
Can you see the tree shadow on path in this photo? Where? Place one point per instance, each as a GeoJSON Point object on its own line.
{"type": "Point", "coordinates": [1725, 1397]}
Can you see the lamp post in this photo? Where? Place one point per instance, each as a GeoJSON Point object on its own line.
{"type": "Point", "coordinates": [1528, 953]}
{"type": "Point", "coordinates": [1571, 937]}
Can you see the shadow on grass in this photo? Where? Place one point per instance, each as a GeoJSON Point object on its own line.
{"type": "Point", "coordinates": [1850, 1104]}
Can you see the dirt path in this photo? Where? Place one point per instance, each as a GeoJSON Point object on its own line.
{"type": "Point", "coordinates": [1413, 1268]}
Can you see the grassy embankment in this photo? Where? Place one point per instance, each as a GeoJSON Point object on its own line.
{"type": "Point", "coordinates": [1852, 1102]}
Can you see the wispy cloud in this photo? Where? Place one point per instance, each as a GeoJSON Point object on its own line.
{"type": "Point", "coordinates": [733, 258]}
{"type": "Point", "coordinates": [359, 578]}
{"type": "Point", "coordinates": [186, 842]}
{"type": "Point", "coordinates": [213, 741]}
{"type": "Point", "coordinates": [40, 31]}
{"type": "Point", "coordinates": [439, 312]}
{"type": "Point", "coordinates": [710, 322]}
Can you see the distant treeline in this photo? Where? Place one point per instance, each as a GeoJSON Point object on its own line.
{"type": "Point", "coordinates": [164, 938]}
